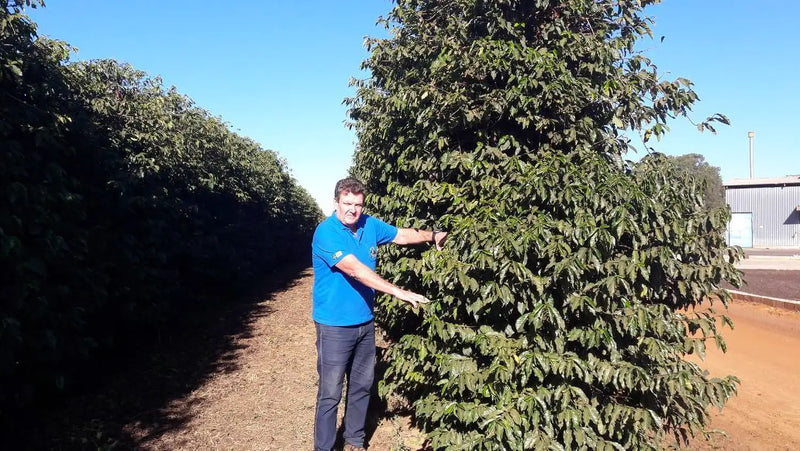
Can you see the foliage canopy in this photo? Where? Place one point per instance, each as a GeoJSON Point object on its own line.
{"type": "Point", "coordinates": [703, 173]}
{"type": "Point", "coordinates": [565, 298]}
{"type": "Point", "coordinates": [121, 204]}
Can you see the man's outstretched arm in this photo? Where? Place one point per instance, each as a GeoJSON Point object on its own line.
{"type": "Point", "coordinates": [415, 236]}
{"type": "Point", "coordinates": [362, 273]}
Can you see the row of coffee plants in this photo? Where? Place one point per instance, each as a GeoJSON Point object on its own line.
{"type": "Point", "coordinates": [563, 303]}
{"type": "Point", "coordinates": [122, 204]}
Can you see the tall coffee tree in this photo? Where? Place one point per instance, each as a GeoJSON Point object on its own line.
{"type": "Point", "coordinates": [564, 301]}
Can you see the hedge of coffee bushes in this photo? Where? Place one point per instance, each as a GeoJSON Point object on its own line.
{"type": "Point", "coordinates": [122, 203]}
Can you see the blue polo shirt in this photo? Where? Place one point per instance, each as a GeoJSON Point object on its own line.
{"type": "Point", "coordinates": [339, 300]}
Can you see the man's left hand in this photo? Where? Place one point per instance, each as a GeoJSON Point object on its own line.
{"type": "Point", "coordinates": [439, 239]}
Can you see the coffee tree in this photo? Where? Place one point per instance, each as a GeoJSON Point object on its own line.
{"type": "Point", "coordinates": [565, 300]}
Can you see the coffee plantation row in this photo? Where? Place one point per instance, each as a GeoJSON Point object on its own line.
{"type": "Point", "coordinates": [122, 207]}
{"type": "Point", "coordinates": [564, 302]}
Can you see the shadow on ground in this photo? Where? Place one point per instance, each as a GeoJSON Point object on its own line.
{"type": "Point", "coordinates": [140, 394]}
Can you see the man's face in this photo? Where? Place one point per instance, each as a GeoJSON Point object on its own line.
{"type": "Point", "coordinates": [348, 208]}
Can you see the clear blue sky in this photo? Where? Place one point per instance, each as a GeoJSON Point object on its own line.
{"type": "Point", "coordinates": [277, 71]}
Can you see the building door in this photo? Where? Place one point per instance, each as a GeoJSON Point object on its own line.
{"type": "Point", "coordinates": [740, 230]}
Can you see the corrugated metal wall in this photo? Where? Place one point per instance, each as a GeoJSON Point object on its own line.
{"type": "Point", "coordinates": [776, 223]}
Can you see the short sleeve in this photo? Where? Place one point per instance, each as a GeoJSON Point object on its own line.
{"type": "Point", "coordinates": [330, 248]}
{"type": "Point", "coordinates": [384, 233]}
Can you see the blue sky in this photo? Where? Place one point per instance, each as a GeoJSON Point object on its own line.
{"type": "Point", "coordinates": [278, 71]}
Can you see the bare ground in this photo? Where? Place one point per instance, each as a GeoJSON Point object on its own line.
{"type": "Point", "coordinates": [245, 379]}
{"type": "Point", "coordinates": [268, 403]}
{"type": "Point", "coordinates": [772, 282]}
{"type": "Point", "coordinates": [764, 353]}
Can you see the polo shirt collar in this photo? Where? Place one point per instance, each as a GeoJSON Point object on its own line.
{"type": "Point", "coordinates": [359, 225]}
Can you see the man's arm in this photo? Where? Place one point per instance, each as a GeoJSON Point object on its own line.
{"type": "Point", "coordinates": [415, 236]}
{"type": "Point", "coordinates": [362, 273]}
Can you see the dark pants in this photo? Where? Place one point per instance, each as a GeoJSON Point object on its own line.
{"type": "Point", "coordinates": [343, 350]}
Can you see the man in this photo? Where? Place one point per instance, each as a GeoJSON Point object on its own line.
{"type": "Point", "coordinates": [344, 253]}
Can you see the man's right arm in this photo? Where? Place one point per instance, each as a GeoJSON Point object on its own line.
{"type": "Point", "coordinates": [351, 266]}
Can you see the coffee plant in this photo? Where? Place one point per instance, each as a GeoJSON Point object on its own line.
{"type": "Point", "coordinates": [574, 283]}
{"type": "Point", "coordinates": [123, 206]}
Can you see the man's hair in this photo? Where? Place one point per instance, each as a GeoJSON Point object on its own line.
{"type": "Point", "coordinates": [348, 185]}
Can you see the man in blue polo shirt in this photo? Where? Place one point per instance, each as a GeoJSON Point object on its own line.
{"type": "Point", "coordinates": [344, 254]}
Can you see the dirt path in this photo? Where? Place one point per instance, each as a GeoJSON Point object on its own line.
{"type": "Point", "coordinates": [268, 403]}
{"type": "Point", "coordinates": [764, 353]}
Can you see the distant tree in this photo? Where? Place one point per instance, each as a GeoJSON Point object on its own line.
{"type": "Point", "coordinates": [699, 169]}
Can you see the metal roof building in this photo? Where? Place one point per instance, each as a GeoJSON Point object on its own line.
{"type": "Point", "coordinates": [764, 212]}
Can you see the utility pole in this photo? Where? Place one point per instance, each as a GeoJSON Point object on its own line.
{"type": "Point", "coordinates": [750, 136]}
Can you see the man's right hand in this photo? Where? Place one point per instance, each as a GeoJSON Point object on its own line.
{"type": "Point", "coordinates": [412, 298]}
{"type": "Point", "coordinates": [350, 265]}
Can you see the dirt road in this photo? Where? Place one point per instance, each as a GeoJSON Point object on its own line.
{"type": "Point", "coordinates": [764, 352]}
{"type": "Point", "coordinates": [268, 402]}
